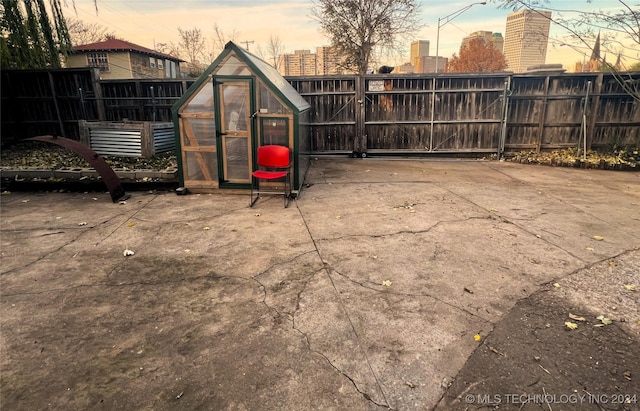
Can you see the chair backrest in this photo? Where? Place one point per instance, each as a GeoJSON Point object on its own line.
{"type": "Point", "coordinates": [273, 156]}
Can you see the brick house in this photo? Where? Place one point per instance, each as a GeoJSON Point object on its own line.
{"type": "Point", "coordinates": [120, 59]}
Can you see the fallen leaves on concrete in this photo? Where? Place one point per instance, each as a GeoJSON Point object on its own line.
{"type": "Point", "coordinates": [571, 325]}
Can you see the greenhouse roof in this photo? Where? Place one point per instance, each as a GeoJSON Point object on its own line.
{"type": "Point", "coordinates": [270, 75]}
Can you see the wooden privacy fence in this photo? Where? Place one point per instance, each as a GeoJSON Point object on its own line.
{"type": "Point", "coordinates": [458, 113]}
{"type": "Point", "coordinates": [403, 114]}
{"type": "Point", "coordinates": [43, 102]}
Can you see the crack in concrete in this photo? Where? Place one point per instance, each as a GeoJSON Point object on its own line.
{"type": "Point", "coordinates": [352, 325]}
{"type": "Point", "coordinates": [43, 256]}
{"type": "Point", "coordinates": [155, 196]}
{"type": "Point", "coordinates": [559, 199]}
{"type": "Point", "coordinates": [272, 266]}
{"type": "Point", "coordinates": [400, 232]}
{"type": "Point", "coordinates": [363, 285]}
{"type": "Point", "coordinates": [508, 221]}
{"type": "Point", "coordinates": [292, 319]}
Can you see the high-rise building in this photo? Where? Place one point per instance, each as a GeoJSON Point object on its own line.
{"type": "Point", "coordinates": [526, 38]}
{"type": "Point", "coordinates": [300, 63]}
{"type": "Point", "coordinates": [427, 64]}
{"type": "Point", "coordinates": [306, 63]}
{"type": "Point", "coordinates": [487, 37]}
{"type": "Point", "coordinates": [419, 48]}
{"type": "Point", "coordinates": [327, 61]}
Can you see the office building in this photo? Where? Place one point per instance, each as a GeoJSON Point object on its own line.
{"type": "Point", "coordinates": [526, 38]}
{"type": "Point", "coordinates": [427, 64]}
{"type": "Point", "coordinates": [419, 48]}
{"type": "Point", "coordinates": [487, 36]}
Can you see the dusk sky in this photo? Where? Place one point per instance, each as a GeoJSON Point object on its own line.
{"type": "Point", "coordinates": [147, 22]}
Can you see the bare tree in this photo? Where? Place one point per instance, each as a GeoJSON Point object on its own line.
{"type": "Point", "coordinates": [169, 48]}
{"type": "Point", "coordinates": [191, 46]}
{"type": "Point", "coordinates": [219, 40]}
{"type": "Point", "coordinates": [357, 27]}
{"type": "Point", "coordinates": [86, 33]}
{"type": "Point", "coordinates": [622, 25]}
{"type": "Point", "coordinates": [275, 49]}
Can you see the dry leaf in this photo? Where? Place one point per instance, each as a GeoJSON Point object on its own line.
{"type": "Point", "coordinates": [477, 338]}
{"type": "Point", "coordinates": [82, 223]}
{"type": "Point", "coordinates": [576, 318]}
{"type": "Point", "coordinates": [206, 228]}
{"type": "Point", "coordinates": [128, 253]}
{"type": "Point", "coordinates": [630, 287]}
{"type": "Point", "coordinates": [386, 283]}
{"type": "Point", "coordinates": [598, 238]}
{"type": "Point", "coordinates": [131, 224]}
{"type": "Point", "coordinates": [556, 285]}
{"type": "Point", "coordinates": [570, 325]}
{"type": "Point", "coordinates": [604, 320]}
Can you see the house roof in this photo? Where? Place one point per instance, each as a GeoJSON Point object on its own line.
{"type": "Point", "coordinates": [121, 45]}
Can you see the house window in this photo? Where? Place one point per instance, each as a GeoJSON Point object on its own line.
{"type": "Point", "coordinates": [98, 60]}
{"type": "Point", "coordinates": [160, 64]}
{"type": "Point", "coordinates": [152, 62]}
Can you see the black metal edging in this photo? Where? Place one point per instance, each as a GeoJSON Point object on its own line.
{"type": "Point", "coordinates": [98, 163]}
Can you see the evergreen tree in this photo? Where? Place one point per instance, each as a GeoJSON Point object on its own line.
{"type": "Point", "coordinates": [28, 38]}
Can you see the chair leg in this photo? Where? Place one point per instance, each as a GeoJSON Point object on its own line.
{"type": "Point", "coordinates": [253, 201]}
{"type": "Point", "coordinates": [287, 193]}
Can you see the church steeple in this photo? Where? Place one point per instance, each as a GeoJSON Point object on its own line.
{"type": "Point", "coordinates": [595, 54]}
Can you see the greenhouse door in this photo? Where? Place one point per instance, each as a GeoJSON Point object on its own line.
{"type": "Point", "coordinates": [235, 109]}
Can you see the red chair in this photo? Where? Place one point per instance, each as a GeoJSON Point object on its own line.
{"type": "Point", "coordinates": [274, 163]}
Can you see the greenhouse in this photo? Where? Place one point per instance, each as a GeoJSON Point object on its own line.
{"type": "Point", "coordinates": [237, 105]}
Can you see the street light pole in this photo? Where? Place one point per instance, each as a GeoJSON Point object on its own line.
{"type": "Point", "coordinates": [447, 20]}
{"type": "Point", "coordinates": [433, 89]}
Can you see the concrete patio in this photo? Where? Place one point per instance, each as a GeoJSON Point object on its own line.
{"type": "Point", "coordinates": [366, 293]}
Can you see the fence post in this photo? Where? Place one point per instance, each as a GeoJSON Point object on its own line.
{"type": "Point", "coordinates": [360, 144]}
{"type": "Point", "coordinates": [83, 108]}
{"type": "Point", "coordinates": [595, 109]}
{"type": "Point", "coordinates": [543, 113]}
{"type": "Point", "coordinates": [583, 125]}
{"type": "Point", "coordinates": [153, 104]}
{"type": "Point", "coordinates": [433, 111]}
{"type": "Point", "coordinates": [97, 89]}
{"type": "Point", "coordinates": [54, 95]}
{"type": "Point", "coordinates": [138, 96]}
{"type": "Point", "coordinates": [503, 123]}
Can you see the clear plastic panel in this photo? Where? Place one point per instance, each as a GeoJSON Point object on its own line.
{"type": "Point", "coordinates": [198, 132]}
{"type": "Point", "coordinates": [202, 101]}
{"type": "Point", "coordinates": [274, 131]}
{"type": "Point", "coordinates": [237, 155]}
{"type": "Point", "coordinates": [233, 67]}
{"type": "Point", "coordinates": [201, 166]}
{"type": "Point", "coordinates": [270, 102]}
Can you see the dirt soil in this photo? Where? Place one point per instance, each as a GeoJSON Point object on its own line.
{"type": "Point", "coordinates": [532, 361]}
{"type": "Point", "coordinates": [388, 284]}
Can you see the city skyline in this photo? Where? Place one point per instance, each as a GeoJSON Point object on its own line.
{"type": "Point", "coordinates": [149, 22]}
